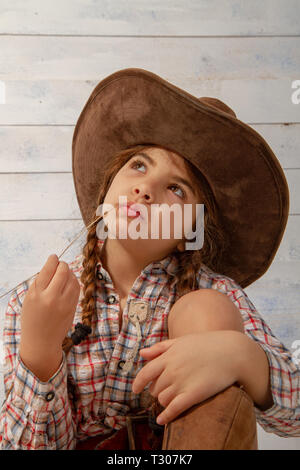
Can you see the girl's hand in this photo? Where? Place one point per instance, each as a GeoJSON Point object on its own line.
{"type": "Point", "coordinates": [48, 308]}
{"type": "Point", "coordinates": [189, 369]}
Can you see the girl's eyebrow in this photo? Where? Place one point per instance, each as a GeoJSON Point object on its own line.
{"type": "Point", "coordinates": [178, 179]}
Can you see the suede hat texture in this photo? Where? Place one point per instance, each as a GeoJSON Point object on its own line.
{"type": "Point", "coordinates": [135, 106]}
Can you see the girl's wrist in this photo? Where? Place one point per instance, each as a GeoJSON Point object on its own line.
{"type": "Point", "coordinates": [237, 352]}
{"type": "Point", "coordinates": [254, 372]}
{"type": "Point", "coordinates": [40, 348]}
{"type": "Point", "coordinates": [43, 366]}
{"type": "Point", "coordinates": [42, 360]}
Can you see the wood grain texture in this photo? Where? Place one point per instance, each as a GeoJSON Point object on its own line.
{"type": "Point", "coordinates": [59, 102]}
{"type": "Point", "coordinates": [144, 17]}
{"type": "Point", "coordinates": [35, 149]}
{"type": "Point", "coordinates": [183, 60]}
{"type": "Point", "coordinates": [53, 54]}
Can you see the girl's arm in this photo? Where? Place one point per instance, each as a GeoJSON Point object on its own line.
{"type": "Point", "coordinates": [35, 414]}
{"type": "Point", "coordinates": [283, 416]}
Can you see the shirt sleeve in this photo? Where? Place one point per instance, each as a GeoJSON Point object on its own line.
{"type": "Point", "coordinates": [283, 417]}
{"type": "Point", "coordinates": [35, 415]}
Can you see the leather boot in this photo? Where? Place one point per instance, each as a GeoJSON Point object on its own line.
{"type": "Point", "coordinates": [225, 421]}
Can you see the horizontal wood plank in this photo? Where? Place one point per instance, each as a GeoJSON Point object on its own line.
{"type": "Point", "coordinates": [38, 196]}
{"type": "Point", "coordinates": [141, 17]}
{"type": "Point", "coordinates": [187, 61]}
{"type": "Point", "coordinates": [49, 148]}
{"type": "Point", "coordinates": [59, 102]}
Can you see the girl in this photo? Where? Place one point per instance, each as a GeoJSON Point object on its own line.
{"type": "Point", "coordinates": [157, 327]}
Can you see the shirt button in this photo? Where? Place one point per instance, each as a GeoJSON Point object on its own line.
{"type": "Point", "coordinates": [121, 364]}
{"type": "Point", "coordinates": [100, 276]}
{"type": "Point", "coordinates": [111, 412]}
{"type": "Point", "coordinates": [111, 299]}
{"type": "Point", "coordinates": [50, 396]}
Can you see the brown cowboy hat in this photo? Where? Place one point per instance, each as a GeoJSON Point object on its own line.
{"type": "Point", "coordinates": [134, 106]}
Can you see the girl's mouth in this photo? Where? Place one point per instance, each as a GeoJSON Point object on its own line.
{"type": "Point", "coordinates": [130, 212]}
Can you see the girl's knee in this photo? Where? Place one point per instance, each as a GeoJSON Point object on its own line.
{"type": "Point", "coordinates": [203, 310]}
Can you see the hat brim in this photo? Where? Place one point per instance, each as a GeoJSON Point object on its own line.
{"type": "Point", "coordinates": [134, 106]}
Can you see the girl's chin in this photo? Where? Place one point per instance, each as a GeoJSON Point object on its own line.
{"type": "Point", "coordinates": [143, 243]}
{"type": "Point", "coordinates": [129, 240]}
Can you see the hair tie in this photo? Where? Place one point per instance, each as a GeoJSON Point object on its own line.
{"type": "Point", "coordinates": [80, 333]}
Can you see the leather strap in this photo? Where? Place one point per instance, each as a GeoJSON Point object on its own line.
{"type": "Point", "coordinates": [131, 419]}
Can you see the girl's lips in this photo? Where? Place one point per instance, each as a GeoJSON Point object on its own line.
{"type": "Point", "coordinates": [130, 211]}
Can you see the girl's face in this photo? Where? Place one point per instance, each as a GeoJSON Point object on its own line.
{"type": "Point", "coordinates": [153, 176]}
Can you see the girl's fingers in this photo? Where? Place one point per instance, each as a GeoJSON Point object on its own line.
{"type": "Point", "coordinates": [148, 354]}
{"type": "Point", "coordinates": [147, 374]}
{"type": "Point", "coordinates": [166, 395]}
{"type": "Point", "coordinates": [47, 272]}
{"type": "Point", "coordinates": [60, 279]}
{"type": "Point", "coordinates": [176, 406]}
{"type": "Point", "coordinates": [160, 386]}
{"type": "Point", "coordinates": [157, 348]}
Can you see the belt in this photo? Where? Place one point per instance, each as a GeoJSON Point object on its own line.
{"type": "Point", "coordinates": [141, 432]}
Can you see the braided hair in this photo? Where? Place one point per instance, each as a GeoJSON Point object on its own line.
{"type": "Point", "coordinates": [189, 262]}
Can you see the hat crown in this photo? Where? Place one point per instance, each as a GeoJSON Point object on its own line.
{"type": "Point", "coordinates": [218, 104]}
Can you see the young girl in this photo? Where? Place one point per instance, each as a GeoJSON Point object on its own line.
{"type": "Point", "coordinates": [144, 324]}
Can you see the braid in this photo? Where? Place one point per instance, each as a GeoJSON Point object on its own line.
{"type": "Point", "coordinates": [215, 244]}
{"type": "Point", "coordinates": [211, 254]}
{"type": "Point", "coordinates": [91, 255]}
{"type": "Point", "coordinates": [90, 252]}
{"type": "Point", "coordinates": [90, 258]}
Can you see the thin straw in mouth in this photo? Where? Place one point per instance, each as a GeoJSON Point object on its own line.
{"type": "Point", "coordinates": [84, 228]}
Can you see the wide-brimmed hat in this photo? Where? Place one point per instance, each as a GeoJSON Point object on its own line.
{"type": "Point", "coordinates": [135, 106]}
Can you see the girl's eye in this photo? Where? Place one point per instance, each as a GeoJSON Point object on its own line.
{"type": "Point", "coordinates": [138, 162]}
{"type": "Point", "coordinates": [178, 188]}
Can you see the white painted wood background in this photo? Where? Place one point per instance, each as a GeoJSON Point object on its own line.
{"type": "Point", "coordinates": [52, 55]}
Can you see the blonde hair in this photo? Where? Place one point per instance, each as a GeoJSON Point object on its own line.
{"type": "Point", "coordinates": [189, 262]}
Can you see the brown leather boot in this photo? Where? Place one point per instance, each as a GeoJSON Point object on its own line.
{"type": "Point", "coordinates": [225, 421]}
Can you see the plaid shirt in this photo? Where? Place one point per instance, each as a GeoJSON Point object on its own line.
{"type": "Point", "coordinates": [45, 415]}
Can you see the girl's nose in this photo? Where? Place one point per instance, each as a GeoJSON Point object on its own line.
{"type": "Point", "coordinates": [144, 193]}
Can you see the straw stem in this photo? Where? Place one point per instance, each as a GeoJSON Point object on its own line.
{"type": "Point", "coordinates": [77, 236]}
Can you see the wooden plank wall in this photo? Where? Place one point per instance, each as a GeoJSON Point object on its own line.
{"type": "Point", "coordinates": [52, 55]}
